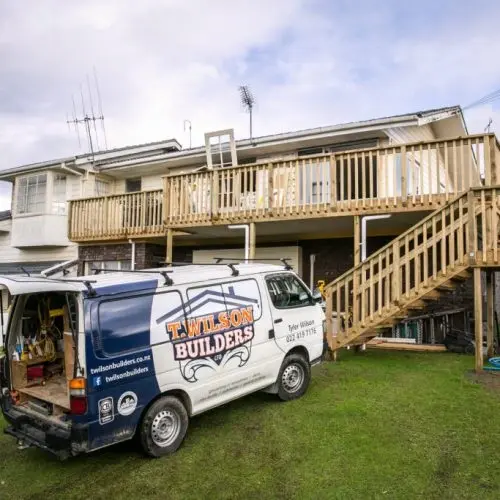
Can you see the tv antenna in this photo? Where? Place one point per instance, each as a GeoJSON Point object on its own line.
{"type": "Point", "coordinates": [89, 118]}
{"type": "Point", "coordinates": [487, 129]}
{"type": "Point", "coordinates": [189, 122]}
{"type": "Point", "coordinates": [248, 101]}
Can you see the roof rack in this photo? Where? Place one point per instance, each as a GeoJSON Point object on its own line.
{"type": "Point", "coordinates": [87, 283]}
{"type": "Point", "coordinates": [163, 272]}
{"type": "Point", "coordinates": [284, 261]}
{"type": "Point", "coordinates": [234, 271]}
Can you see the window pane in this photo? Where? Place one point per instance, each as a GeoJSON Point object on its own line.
{"type": "Point", "coordinates": [124, 324]}
{"type": "Point", "coordinates": [59, 195]}
{"type": "Point", "coordinates": [31, 194]}
{"type": "Point", "coordinates": [133, 185]}
{"type": "Point", "coordinates": [286, 292]}
{"type": "Point", "coordinates": [101, 188]}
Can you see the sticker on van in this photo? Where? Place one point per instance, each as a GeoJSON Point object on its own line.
{"type": "Point", "coordinates": [215, 336]}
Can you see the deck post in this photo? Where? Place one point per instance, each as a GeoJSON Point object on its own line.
{"type": "Point", "coordinates": [478, 318]}
{"type": "Point", "coordinates": [252, 238]}
{"type": "Point", "coordinates": [357, 260]}
{"type": "Point", "coordinates": [490, 311]}
{"type": "Point", "coordinates": [170, 246]}
{"type": "Point", "coordinates": [357, 240]}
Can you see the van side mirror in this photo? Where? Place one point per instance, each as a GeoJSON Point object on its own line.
{"type": "Point", "coordinates": [316, 296]}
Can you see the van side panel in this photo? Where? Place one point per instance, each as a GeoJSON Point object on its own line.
{"type": "Point", "coordinates": [218, 345]}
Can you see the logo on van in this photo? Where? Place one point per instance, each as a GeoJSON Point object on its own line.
{"type": "Point", "coordinates": [212, 334]}
{"type": "Point", "coordinates": [213, 339]}
{"type": "Point", "coordinates": [127, 403]}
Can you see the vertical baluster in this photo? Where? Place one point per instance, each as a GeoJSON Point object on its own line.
{"type": "Point", "coordinates": [494, 223]}
{"type": "Point", "coordinates": [407, 266]}
{"type": "Point", "coordinates": [425, 254]}
{"type": "Point", "coordinates": [443, 242]}
{"type": "Point", "coordinates": [434, 249]}
{"type": "Point", "coordinates": [484, 231]}
{"type": "Point", "coordinates": [417, 249]}
{"type": "Point", "coordinates": [349, 181]}
{"type": "Point", "coordinates": [379, 283]}
{"type": "Point", "coordinates": [451, 240]}
{"type": "Point", "coordinates": [363, 178]}
{"type": "Point", "coordinates": [372, 288]}
{"type": "Point", "coordinates": [342, 162]}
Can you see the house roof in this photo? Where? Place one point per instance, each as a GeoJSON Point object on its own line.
{"type": "Point", "coordinates": [170, 149]}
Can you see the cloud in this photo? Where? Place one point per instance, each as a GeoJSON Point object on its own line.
{"type": "Point", "coordinates": [309, 63]}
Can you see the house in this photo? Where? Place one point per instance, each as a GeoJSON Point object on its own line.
{"type": "Point", "coordinates": [310, 196]}
{"type": "Point", "coordinates": [179, 188]}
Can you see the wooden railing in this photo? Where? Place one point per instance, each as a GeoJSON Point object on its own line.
{"type": "Point", "coordinates": [117, 216]}
{"type": "Point", "coordinates": [461, 234]}
{"type": "Point", "coordinates": [416, 176]}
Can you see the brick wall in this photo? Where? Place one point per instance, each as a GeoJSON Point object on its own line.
{"type": "Point", "coordinates": [333, 256]}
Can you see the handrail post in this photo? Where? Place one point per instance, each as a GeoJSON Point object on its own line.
{"type": "Point", "coordinates": [333, 181]}
{"type": "Point", "coordinates": [396, 285]}
{"type": "Point", "coordinates": [329, 319]}
{"type": "Point", "coordinates": [487, 161]}
{"type": "Point", "coordinates": [215, 195]}
{"type": "Point", "coordinates": [472, 234]}
{"type": "Point", "coordinates": [404, 175]}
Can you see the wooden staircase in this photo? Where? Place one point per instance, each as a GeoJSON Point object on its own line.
{"type": "Point", "coordinates": [421, 265]}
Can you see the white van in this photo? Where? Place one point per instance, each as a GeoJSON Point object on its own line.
{"type": "Point", "coordinates": [96, 360]}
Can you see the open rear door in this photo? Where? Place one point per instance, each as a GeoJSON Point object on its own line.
{"type": "Point", "coordinates": [19, 285]}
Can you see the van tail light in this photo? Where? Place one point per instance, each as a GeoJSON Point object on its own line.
{"type": "Point", "coordinates": [77, 396]}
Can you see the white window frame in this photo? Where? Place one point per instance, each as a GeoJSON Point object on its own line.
{"type": "Point", "coordinates": [58, 207]}
{"type": "Point", "coordinates": [26, 178]}
{"type": "Point", "coordinates": [48, 208]}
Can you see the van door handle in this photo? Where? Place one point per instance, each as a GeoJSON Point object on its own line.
{"type": "Point", "coordinates": [279, 320]}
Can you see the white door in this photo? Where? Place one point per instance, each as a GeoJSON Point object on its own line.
{"type": "Point", "coordinates": [297, 319]}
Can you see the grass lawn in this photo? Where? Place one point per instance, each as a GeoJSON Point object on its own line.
{"type": "Point", "coordinates": [373, 425]}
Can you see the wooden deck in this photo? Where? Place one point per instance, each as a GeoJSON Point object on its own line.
{"type": "Point", "coordinates": [407, 177]}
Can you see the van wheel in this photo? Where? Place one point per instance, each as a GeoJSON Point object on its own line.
{"type": "Point", "coordinates": [164, 427]}
{"type": "Point", "coordinates": [294, 377]}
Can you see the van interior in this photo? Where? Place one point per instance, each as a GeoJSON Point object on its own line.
{"type": "Point", "coordinates": [41, 352]}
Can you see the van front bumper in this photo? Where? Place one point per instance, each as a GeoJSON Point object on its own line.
{"type": "Point", "coordinates": [30, 430]}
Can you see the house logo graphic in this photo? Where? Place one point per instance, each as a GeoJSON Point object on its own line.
{"type": "Point", "coordinates": [213, 329]}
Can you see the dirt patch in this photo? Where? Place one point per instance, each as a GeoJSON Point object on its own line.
{"type": "Point", "coordinates": [491, 380]}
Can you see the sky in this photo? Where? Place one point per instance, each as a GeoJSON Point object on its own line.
{"type": "Point", "coordinates": [308, 63]}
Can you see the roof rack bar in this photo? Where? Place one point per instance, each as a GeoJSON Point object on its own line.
{"type": "Point", "coordinates": [284, 261]}
{"type": "Point", "coordinates": [234, 271]}
{"type": "Point", "coordinates": [87, 283]}
{"type": "Point", "coordinates": [163, 272]}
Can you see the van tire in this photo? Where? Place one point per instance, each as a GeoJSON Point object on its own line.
{"type": "Point", "coordinates": [294, 377]}
{"type": "Point", "coordinates": [164, 427]}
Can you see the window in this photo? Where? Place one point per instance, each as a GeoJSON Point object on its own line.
{"type": "Point", "coordinates": [116, 265]}
{"type": "Point", "coordinates": [133, 185]}
{"type": "Point", "coordinates": [124, 324]}
{"type": "Point", "coordinates": [59, 195]}
{"type": "Point", "coordinates": [287, 291]}
{"type": "Point", "coordinates": [101, 187]}
{"type": "Point", "coordinates": [31, 194]}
